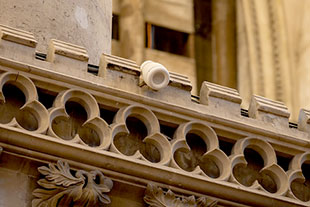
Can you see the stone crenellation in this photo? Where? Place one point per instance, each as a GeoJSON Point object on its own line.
{"type": "Point", "coordinates": [133, 141]}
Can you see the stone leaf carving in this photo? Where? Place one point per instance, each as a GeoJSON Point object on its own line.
{"type": "Point", "coordinates": [156, 197]}
{"type": "Point", "coordinates": [61, 188]}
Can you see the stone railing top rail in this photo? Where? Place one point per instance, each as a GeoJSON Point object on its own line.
{"type": "Point", "coordinates": [118, 87]}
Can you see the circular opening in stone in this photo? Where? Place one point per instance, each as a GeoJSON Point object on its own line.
{"type": "Point", "coordinates": [158, 78]}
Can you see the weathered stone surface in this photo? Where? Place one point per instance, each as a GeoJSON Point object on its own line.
{"type": "Point", "coordinates": [85, 23]}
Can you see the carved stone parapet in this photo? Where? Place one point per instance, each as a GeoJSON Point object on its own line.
{"type": "Point", "coordinates": [210, 161]}
{"type": "Point", "coordinates": [67, 57]}
{"type": "Point", "coordinates": [220, 98]}
{"type": "Point", "coordinates": [111, 62]}
{"type": "Point", "coordinates": [125, 75]}
{"type": "Point", "coordinates": [180, 81]}
{"type": "Point", "coordinates": [304, 121]}
{"type": "Point", "coordinates": [60, 187]}
{"type": "Point", "coordinates": [269, 177]}
{"type": "Point", "coordinates": [17, 44]}
{"type": "Point", "coordinates": [269, 111]}
{"type": "Point", "coordinates": [152, 146]}
{"type": "Point", "coordinates": [27, 114]}
{"type": "Point", "coordinates": [156, 197]}
{"type": "Point", "coordinates": [90, 130]}
{"type": "Point", "coordinates": [299, 180]}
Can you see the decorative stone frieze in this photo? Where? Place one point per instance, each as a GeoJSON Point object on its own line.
{"type": "Point", "coordinates": [205, 158]}
{"type": "Point", "coordinates": [150, 145]}
{"type": "Point", "coordinates": [220, 98]}
{"type": "Point", "coordinates": [19, 105]}
{"type": "Point", "coordinates": [269, 111]}
{"type": "Point", "coordinates": [159, 136]}
{"type": "Point", "coordinates": [304, 121]}
{"type": "Point", "coordinates": [17, 44]}
{"type": "Point", "coordinates": [156, 197]}
{"type": "Point", "coordinates": [112, 62]}
{"type": "Point", "coordinates": [68, 122]}
{"type": "Point", "coordinates": [180, 81]}
{"type": "Point", "coordinates": [60, 187]}
{"type": "Point", "coordinates": [299, 180]}
{"type": "Point", "coordinates": [269, 177]}
{"type": "Point", "coordinates": [67, 57]}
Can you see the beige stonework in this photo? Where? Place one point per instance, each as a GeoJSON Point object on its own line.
{"type": "Point", "coordinates": [78, 22]}
{"type": "Point", "coordinates": [132, 18]}
{"type": "Point", "coordinates": [273, 47]}
{"type": "Point", "coordinates": [73, 134]}
{"type": "Point", "coordinates": [143, 140]}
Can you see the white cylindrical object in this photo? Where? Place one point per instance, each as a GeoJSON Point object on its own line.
{"type": "Point", "coordinates": [155, 75]}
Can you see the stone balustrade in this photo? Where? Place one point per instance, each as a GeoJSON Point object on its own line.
{"type": "Point", "coordinates": [55, 108]}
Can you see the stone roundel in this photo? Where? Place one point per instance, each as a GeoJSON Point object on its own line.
{"type": "Point", "coordinates": [153, 138]}
{"type": "Point", "coordinates": [31, 115]}
{"type": "Point", "coordinates": [90, 130]}
{"type": "Point", "coordinates": [210, 156]}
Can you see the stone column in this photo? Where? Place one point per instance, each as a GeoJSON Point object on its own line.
{"type": "Point", "coordinates": [224, 42]}
{"type": "Point", "coordinates": [80, 22]}
{"type": "Point", "coordinates": [132, 30]}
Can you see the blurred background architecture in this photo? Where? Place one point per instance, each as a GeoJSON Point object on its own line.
{"type": "Point", "coordinates": [256, 46]}
{"type": "Point", "coordinates": [84, 123]}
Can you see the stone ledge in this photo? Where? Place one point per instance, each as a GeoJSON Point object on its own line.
{"type": "Point", "coordinates": [43, 147]}
{"type": "Point", "coordinates": [221, 98]}
{"type": "Point", "coordinates": [304, 121]}
{"type": "Point", "coordinates": [17, 44]}
{"type": "Point", "coordinates": [269, 111]}
{"type": "Point", "coordinates": [67, 57]}
{"type": "Point", "coordinates": [17, 36]}
{"type": "Point", "coordinates": [180, 81]}
{"type": "Point", "coordinates": [117, 63]}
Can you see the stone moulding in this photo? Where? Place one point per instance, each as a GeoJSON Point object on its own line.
{"type": "Point", "coordinates": [32, 107]}
{"type": "Point", "coordinates": [156, 197]}
{"type": "Point", "coordinates": [270, 169]}
{"type": "Point", "coordinates": [60, 187]}
{"type": "Point", "coordinates": [153, 137]}
{"type": "Point", "coordinates": [304, 120]}
{"type": "Point", "coordinates": [296, 174]}
{"type": "Point", "coordinates": [191, 119]}
{"type": "Point", "coordinates": [268, 110]}
{"type": "Point", "coordinates": [66, 49]}
{"type": "Point", "coordinates": [17, 36]}
{"type": "Point", "coordinates": [93, 125]}
{"type": "Point", "coordinates": [213, 90]}
{"type": "Point", "coordinates": [117, 63]}
{"type": "Point", "coordinates": [180, 81]}
{"type": "Point", "coordinates": [213, 152]}
{"type": "Point", "coordinates": [220, 98]}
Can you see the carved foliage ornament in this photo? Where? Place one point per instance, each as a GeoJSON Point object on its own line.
{"type": "Point", "coordinates": [156, 197]}
{"type": "Point", "coordinates": [61, 188]}
{"type": "Point", "coordinates": [19, 105]}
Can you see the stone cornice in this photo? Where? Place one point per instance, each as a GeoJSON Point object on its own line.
{"type": "Point", "coordinates": [238, 126]}
{"type": "Point", "coordinates": [117, 86]}
{"type": "Point", "coordinates": [43, 147]}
